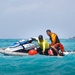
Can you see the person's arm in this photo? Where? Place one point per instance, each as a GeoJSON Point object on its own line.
{"type": "Point", "coordinates": [35, 39]}
{"type": "Point", "coordinates": [44, 47]}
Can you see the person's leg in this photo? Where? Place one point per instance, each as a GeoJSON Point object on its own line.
{"type": "Point", "coordinates": [55, 51]}
{"type": "Point", "coordinates": [39, 50]}
{"type": "Point", "coordinates": [46, 52]}
{"type": "Point", "coordinates": [50, 52]}
{"type": "Point", "coordinates": [62, 48]}
{"type": "Point", "coordinates": [59, 46]}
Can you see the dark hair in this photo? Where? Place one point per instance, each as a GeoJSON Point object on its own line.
{"type": "Point", "coordinates": [48, 30]}
{"type": "Point", "coordinates": [40, 37]}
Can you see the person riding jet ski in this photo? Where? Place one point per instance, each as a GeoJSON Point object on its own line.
{"type": "Point", "coordinates": [55, 40]}
{"type": "Point", "coordinates": [45, 48]}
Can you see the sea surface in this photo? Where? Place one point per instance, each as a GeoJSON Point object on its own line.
{"type": "Point", "coordinates": [38, 64]}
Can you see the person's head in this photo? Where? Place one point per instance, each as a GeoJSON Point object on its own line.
{"type": "Point", "coordinates": [48, 32]}
{"type": "Point", "coordinates": [40, 37]}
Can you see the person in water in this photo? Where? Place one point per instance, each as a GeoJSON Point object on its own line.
{"type": "Point", "coordinates": [55, 40]}
{"type": "Point", "coordinates": [44, 47]}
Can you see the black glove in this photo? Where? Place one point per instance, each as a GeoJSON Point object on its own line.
{"type": "Point", "coordinates": [33, 39]}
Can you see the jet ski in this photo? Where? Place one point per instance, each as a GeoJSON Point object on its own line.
{"type": "Point", "coordinates": [20, 48]}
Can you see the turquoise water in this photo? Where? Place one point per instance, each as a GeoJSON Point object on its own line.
{"type": "Point", "coordinates": [37, 65]}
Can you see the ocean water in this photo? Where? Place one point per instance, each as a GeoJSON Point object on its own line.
{"type": "Point", "coordinates": [38, 64]}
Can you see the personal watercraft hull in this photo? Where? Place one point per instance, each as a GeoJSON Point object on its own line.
{"type": "Point", "coordinates": [3, 51]}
